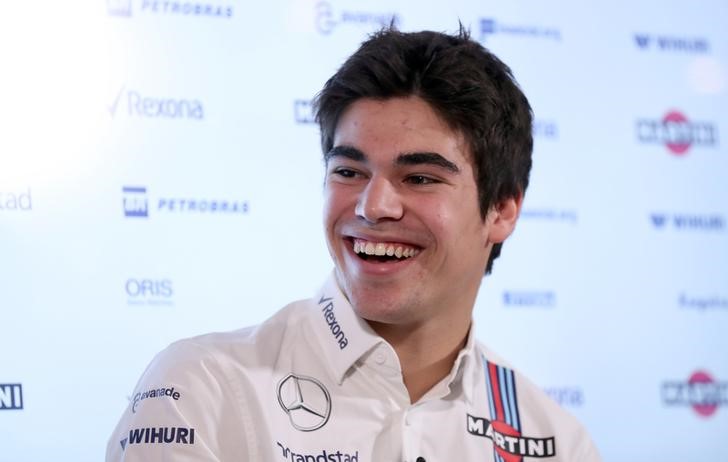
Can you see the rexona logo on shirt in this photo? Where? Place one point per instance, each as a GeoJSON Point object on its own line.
{"type": "Point", "coordinates": [163, 435]}
{"type": "Point", "coordinates": [504, 430]}
{"type": "Point", "coordinates": [330, 319]}
{"type": "Point", "coordinates": [155, 393]}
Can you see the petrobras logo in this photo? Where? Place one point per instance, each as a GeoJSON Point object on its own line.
{"type": "Point", "coordinates": [136, 205]}
{"type": "Point", "coordinates": [159, 435]}
{"type": "Point", "coordinates": [566, 216]}
{"type": "Point", "coordinates": [547, 129]}
{"type": "Point", "coordinates": [11, 396]}
{"type": "Point", "coordinates": [701, 392]}
{"type": "Point", "coordinates": [490, 26]}
{"type": "Point", "coordinates": [671, 43]}
{"type": "Point", "coordinates": [327, 19]}
{"type": "Point", "coordinates": [303, 111]}
{"type": "Point", "coordinates": [529, 298]}
{"type": "Point", "coordinates": [571, 397]}
{"type": "Point", "coordinates": [164, 392]}
{"type": "Point", "coordinates": [703, 303]}
{"type": "Point", "coordinates": [201, 9]}
{"type": "Point", "coordinates": [141, 291]}
{"type": "Point", "coordinates": [676, 132]}
{"type": "Point", "coordinates": [135, 104]}
{"type": "Point", "coordinates": [323, 456]}
{"type": "Point", "coordinates": [687, 222]}
{"type": "Point", "coordinates": [16, 201]}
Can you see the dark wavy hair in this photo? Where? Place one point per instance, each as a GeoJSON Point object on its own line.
{"type": "Point", "coordinates": [472, 90]}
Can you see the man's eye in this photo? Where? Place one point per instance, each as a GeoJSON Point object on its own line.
{"type": "Point", "coordinates": [345, 172]}
{"type": "Point", "coordinates": [420, 179]}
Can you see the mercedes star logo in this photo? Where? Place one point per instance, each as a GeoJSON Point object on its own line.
{"type": "Point", "coordinates": [306, 401]}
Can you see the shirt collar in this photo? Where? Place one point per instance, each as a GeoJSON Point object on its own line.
{"type": "Point", "coordinates": [346, 338]}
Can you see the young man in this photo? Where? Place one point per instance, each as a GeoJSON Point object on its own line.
{"type": "Point", "coordinates": [427, 143]}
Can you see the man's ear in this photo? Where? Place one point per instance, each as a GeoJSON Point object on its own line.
{"type": "Point", "coordinates": [502, 218]}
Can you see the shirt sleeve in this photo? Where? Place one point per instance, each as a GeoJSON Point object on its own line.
{"type": "Point", "coordinates": [182, 409]}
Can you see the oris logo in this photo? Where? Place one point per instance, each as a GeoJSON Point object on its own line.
{"type": "Point", "coordinates": [149, 291]}
{"type": "Point", "coordinates": [701, 392]}
{"type": "Point", "coordinates": [676, 133]}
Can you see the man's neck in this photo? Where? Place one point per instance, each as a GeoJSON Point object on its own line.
{"type": "Point", "coordinates": [426, 352]}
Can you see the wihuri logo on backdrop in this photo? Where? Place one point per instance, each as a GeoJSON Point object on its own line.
{"type": "Point", "coordinates": [123, 8]}
{"type": "Point", "coordinates": [686, 222]}
{"type": "Point", "coordinates": [326, 19]}
{"type": "Point", "coordinates": [489, 26]}
{"type": "Point", "coordinates": [696, 45]}
{"type": "Point", "coordinates": [136, 204]}
{"type": "Point", "coordinates": [676, 132]}
{"type": "Point", "coordinates": [11, 396]}
{"type": "Point", "coordinates": [701, 392]}
{"type": "Point", "coordinates": [155, 107]}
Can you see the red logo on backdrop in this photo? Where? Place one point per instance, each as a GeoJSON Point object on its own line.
{"type": "Point", "coordinates": [701, 392]}
{"type": "Point", "coordinates": [676, 132]}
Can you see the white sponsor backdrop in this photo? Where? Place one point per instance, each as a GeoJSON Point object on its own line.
{"type": "Point", "coordinates": [611, 294]}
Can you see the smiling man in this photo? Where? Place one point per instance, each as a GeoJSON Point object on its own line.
{"type": "Point", "coordinates": [427, 146]}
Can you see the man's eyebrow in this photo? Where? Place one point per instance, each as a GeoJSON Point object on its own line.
{"type": "Point", "coordinates": [349, 152]}
{"type": "Point", "coordinates": [431, 158]}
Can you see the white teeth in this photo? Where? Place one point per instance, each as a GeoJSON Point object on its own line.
{"type": "Point", "coordinates": [381, 249]}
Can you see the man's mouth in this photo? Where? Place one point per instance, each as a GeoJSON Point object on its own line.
{"type": "Point", "coordinates": [383, 251]}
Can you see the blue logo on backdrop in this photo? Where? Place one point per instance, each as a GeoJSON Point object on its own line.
{"type": "Point", "coordinates": [123, 8]}
{"type": "Point", "coordinates": [16, 200]}
{"type": "Point", "coordinates": [694, 45]}
{"type": "Point", "coordinates": [529, 298]}
{"type": "Point", "coordinates": [155, 107]}
{"type": "Point", "coordinates": [545, 129]}
{"type": "Point", "coordinates": [489, 26]}
{"type": "Point", "coordinates": [149, 291]}
{"type": "Point", "coordinates": [136, 204]}
{"type": "Point", "coordinates": [326, 19]}
{"type": "Point", "coordinates": [303, 111]}
{"type": "Point", "coordinates": [564, 216]}
{"type": "Point", "coordinates": [686, 222]}
{"type": "Point", "coordinates": [11, 396]}
{"type": "Point", "coordinates": [703, 303]}
{"type": "Point", "coordinates": [566, 396]}
{"type": "Point", "coordinates": [135, 201]}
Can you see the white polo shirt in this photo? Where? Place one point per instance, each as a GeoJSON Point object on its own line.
{"type": "Point", "coordinates": [315, 383]}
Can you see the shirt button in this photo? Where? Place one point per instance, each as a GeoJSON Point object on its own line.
{"type": "Point", "coordinates": [380, 358]}
{"type": "Point", "coordinates": [421, 459]}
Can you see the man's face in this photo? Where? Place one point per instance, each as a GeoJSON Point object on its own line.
{"type": "Point", "coordinates": [401, 214]}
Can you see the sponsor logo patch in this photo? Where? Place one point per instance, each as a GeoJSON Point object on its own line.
{"type": "Point", "coordinates": [330, 318]}
{"type": "Point", "coordinates": [305, 400]}
{"type": "Point", "coordinates": [701, 392]}
{"type": "Point", "coordinates": [159, 435]}
{"type": "Point", "coordinates": [154, 393]}
{"type": "Point", "coordinates": [323, 456]}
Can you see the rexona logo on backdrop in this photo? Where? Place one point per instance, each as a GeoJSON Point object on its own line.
{"type": "Point", "coordinates": [490, 26]}
{"type": "Point", "coordinates": [326, 18]}
{"type": "Point", "coordinates": [676, 132]}
{"type": "Point", "coordinates": [207, 9]}
{"type": "Point", "coordinates": [529, 298]}
{"type": "Point", "coordinates": [701, 392]}
{"type": "Point", "coordinates": [671, 43]}
{"type": "Point", "coordinates": [687, 222]}
{"type": "Point", "coordinates": [11, 396]}
{"type": "Point", "coordinates": [16, 201]}
{"type": "Point", "coordinates": [146, 291]}
{"type": "Point", "coordinates": [133, 103]}
{"type": "Point", "coordinates": [138, 205]}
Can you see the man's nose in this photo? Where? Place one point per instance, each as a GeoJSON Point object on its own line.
{"type": "Point", "coordinates": [380, 200]}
